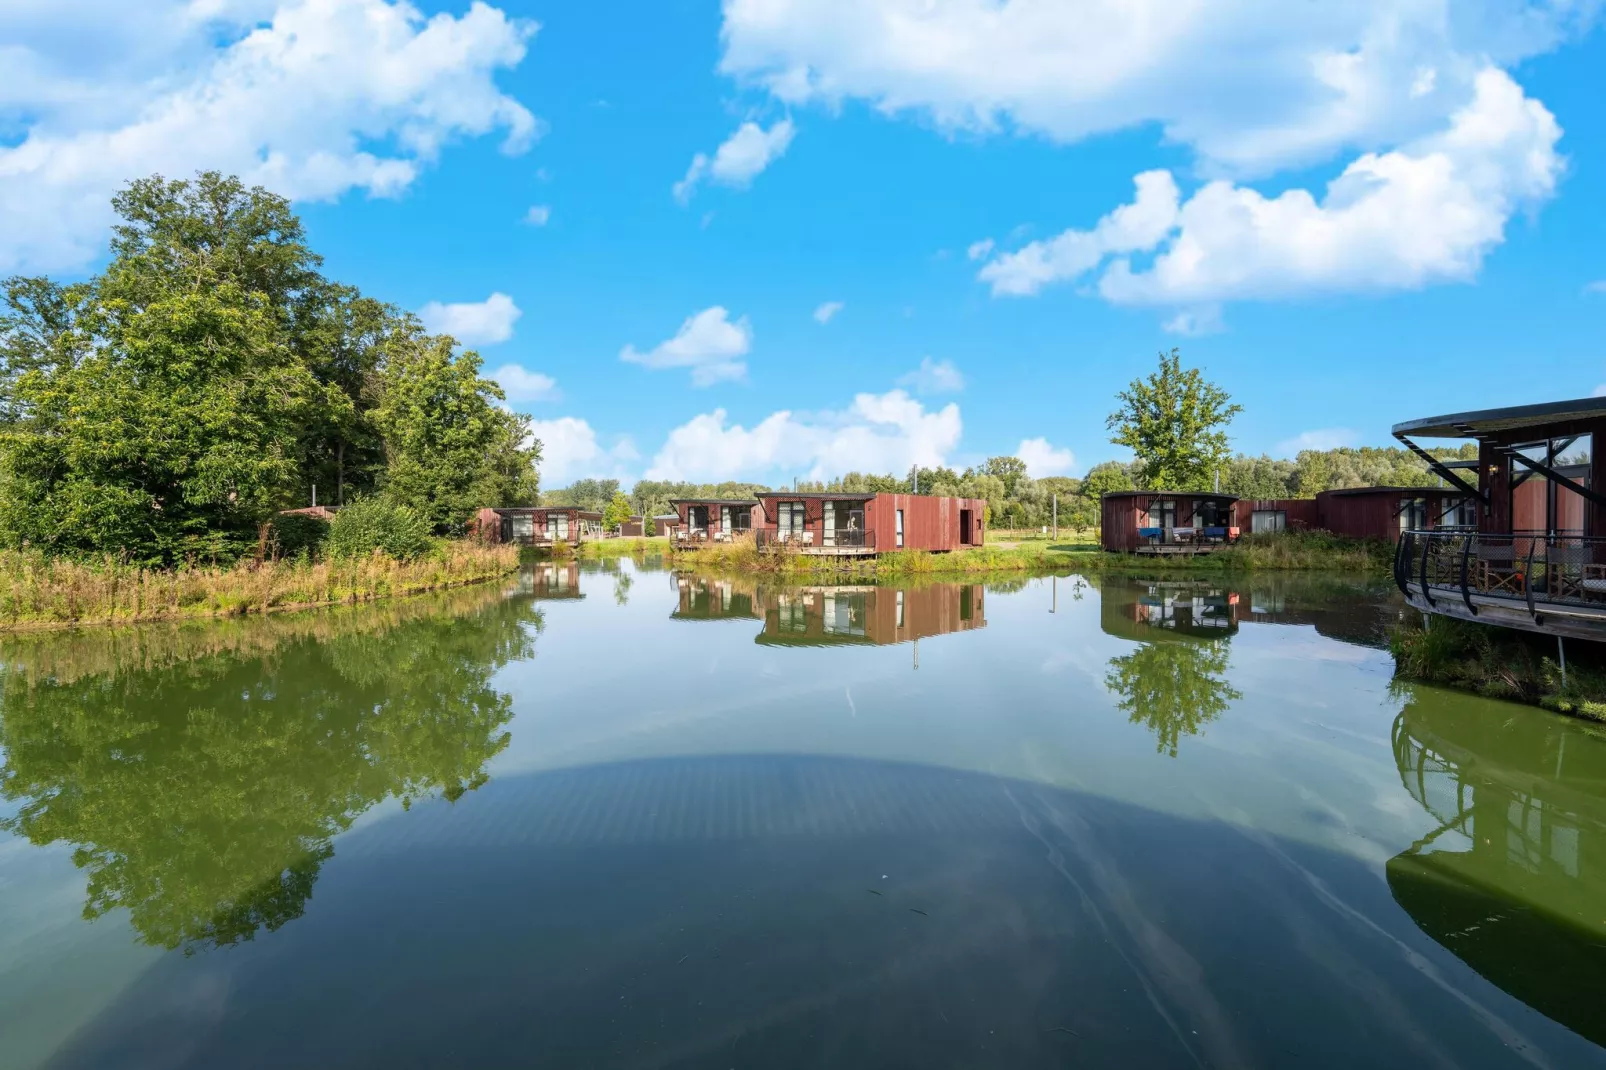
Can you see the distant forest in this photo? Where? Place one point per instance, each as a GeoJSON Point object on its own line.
{"type": "Point", "coordinates": [1016, 500]}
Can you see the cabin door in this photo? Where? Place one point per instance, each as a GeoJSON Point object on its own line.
{"type": "Point", "coordinates": [967, 528]}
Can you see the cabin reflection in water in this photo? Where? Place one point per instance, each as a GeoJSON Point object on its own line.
{"type": "Point", "coordinates": [1513, 878]}
{"type": "Point", "coordinates": [551, 580]}
{"type": "Point", "coordinates": [711, 599]}
{"type": "Point", "coordinates": [1184, 609]}
{"type": "Point", "coordinates": [835, 615]}
{"type": "Point", "coordinates": [1150, 611]}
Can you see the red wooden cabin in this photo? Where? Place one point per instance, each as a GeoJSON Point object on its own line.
{"type": "Point", "coordinates": [862, 523]}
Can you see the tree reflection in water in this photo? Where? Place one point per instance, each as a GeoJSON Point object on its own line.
{"type": "Point", "coordinates": [203, 795]}
{"type": "Point", "coordinates": [1172, 688]}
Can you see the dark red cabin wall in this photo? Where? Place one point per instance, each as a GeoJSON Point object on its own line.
{"type": "Point", "coordinates": [1361, 516]}
{"type": "Point", "coordinates": [928, 523]}
{"type": "Point", "coordinates": [1120, 523]}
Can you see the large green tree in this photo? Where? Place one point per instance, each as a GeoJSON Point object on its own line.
{"type": "Point", "coordinates": [1174, 422]}
{"type": "Point", "coordinates": [450, 448]}
{"type": "Point", "coordinates": [211, 376]}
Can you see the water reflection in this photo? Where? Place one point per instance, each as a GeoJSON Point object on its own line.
{"type": "Point", "coordinates": [1513, 877]}
{"type": "Point", "coordinates": [834, 615]}
{"type": "Point", "coordinates": [1175, 682]}
{"type": "Point", "coordinates": [200, 773]}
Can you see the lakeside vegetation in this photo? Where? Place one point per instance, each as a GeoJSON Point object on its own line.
{"type": "Point", "coordinates": [41, 591]}
{"type": "Point", "coordinates": [1288, 551]}
{"type": "Point", "coordinates": [1502, 663]}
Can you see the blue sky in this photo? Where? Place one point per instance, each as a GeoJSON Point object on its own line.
{"type": "Point", "coordinates": [1348, 217]}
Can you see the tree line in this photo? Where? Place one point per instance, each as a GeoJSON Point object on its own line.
{"type": "Point", "coordinates": [1174, 421]}
{"type": "Point", "coordinates": [168, 407]}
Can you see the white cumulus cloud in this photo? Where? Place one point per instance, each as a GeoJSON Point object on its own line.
{"type": "Point", "coordinates": [709, 343]}
{"type": "Point", "coordinates": [934, 377]}
{"type": "Point", "coordinates": [1043, 459]}
{"type": "Point", "coordinates": [827, 311]}
{"type": "Point", "coordinates": [522, 385]}
{"type": "Point", "coordinates": [1251, 87]}
{"type": "Point", "coordinates": [979, 250]}
{"type": "Point", "coordinates": [1323, 438]}
{"type": "Point", "coordinates": [877, 433]}
{"type": "Point", "coordinates": [571, 450]}
{"type": "Point", "coordinates": [739, 159]}
{"type": "Point", "coordinates": [473, 323]}
{"type": "Point", "coordinates": [311, 98]}
{"type": "Point", "coordinates": [1427, 212]}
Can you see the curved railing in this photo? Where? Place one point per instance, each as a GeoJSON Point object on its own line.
{"type": "Point", "coordinates": [1534, 568]}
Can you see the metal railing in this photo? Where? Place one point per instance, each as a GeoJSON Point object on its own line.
{"type": "Point", "coordinates": [841, 538]}
{"type": "Point", "coordinates": [1183, 535]}
{"type": "Point", "coordinates": [1534, 568]}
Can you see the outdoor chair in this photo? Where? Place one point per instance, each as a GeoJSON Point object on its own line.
{"type": "Point", "coordinates": [1592, 581]}
{"type": "Point", "coordinates": [1497, 569]}
{"type": "Point", "coordinates": [1566, 570]}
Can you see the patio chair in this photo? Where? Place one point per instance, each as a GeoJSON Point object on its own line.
{"type": "Point", "coordinates": [1497, 569]}
{"type": "Point", "coordinates": [1592, 581]}
{"type": "Point", "coordinates": [1566, 570]}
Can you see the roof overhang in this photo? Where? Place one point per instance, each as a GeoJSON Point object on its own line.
{"type": "Point", "coordinates": [1496, 421]}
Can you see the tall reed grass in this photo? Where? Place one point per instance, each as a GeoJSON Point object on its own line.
{"type": "Point", "coordinates": [41, 591]}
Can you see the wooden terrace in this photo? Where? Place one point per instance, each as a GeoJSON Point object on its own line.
{"type": "Point", "coordinates": [1533, 556]}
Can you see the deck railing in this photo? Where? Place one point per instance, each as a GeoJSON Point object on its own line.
{"type": "Point", "coordinates": [1535, 568]}
{"type": "Point", "coordinates": [842, 538]}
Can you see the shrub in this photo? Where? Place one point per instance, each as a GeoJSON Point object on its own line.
{"type": "Point", "coordinates": [370, 524]}
{"type": "Point", "coordinates": [294, 533]}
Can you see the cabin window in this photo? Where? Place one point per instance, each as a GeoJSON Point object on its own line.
{"type": "Point", "coordinates": [1163, 514]}
{"type": "Point", "coordinates": [899, 533]}
{"type": "Point", "coordinates": [789, 519]}
{"type": "Point", "coordinates": [1414, 514]}
{"type": "Point", "coordinates": [1262, 521]}
{"type": "Point", "coordinates": [1539, 503]}
{"type": "Point", "coordinates": [523, 527]}
{"type": "Point", "coordinates": [725, 519]}
{"type": "Point", "coordinates": [967, 602]}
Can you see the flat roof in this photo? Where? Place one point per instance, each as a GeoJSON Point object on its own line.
{"type": "Point", "coordinates": [1200, 494]}
{"type": "Point", "coordinates": [1511, 418]}
{"type": "Point", "coordinates": [1349, 492]}
{"type": "Point", "coordinates": [852, 496]}
{"type": "Point", "coordinates": [509, 510]}
{"type": "Point", "coordinates": [713, 501]}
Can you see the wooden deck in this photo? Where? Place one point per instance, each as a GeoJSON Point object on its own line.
{"type": "Point", "coordinates": [1171, 549]}
{"type": "Point", "coordinates": [1571, 619]}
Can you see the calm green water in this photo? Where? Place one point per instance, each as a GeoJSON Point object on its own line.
{"type": "Point", "coordinates": [612, 817]}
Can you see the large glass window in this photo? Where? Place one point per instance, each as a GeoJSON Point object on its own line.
{"type": "Point", "coordinates": [1540, 503]}
{"type": "Point", "coordinates": [789, 518]}
{"type": "Point", "coordinates": [900, 529]}
{"type": "Point", "coordinates": [1163, 514]}
{"type": "Point", "coordinates": [1264, 520]}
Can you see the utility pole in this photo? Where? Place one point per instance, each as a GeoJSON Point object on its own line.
{"type": "Point", "coordinates": [1056, 517]}
{"type": "Point", "coordinates": [315, 495]}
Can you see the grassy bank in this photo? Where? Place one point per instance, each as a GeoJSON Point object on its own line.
{"type": "Point", "coordinates": [599, 548]}
{"type": "Point", "coordinates": [1503, 663]}
{"type": "Point", "coordinates": [37, 591]}
{"type": "Point", "coordinates": [1284, 552]}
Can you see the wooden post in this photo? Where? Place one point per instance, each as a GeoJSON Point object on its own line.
{"type": "Point", "coordinates": [1056, 517]}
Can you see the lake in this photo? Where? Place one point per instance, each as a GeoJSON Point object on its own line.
{"type": "Point", "coordinates": [605, 815]}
